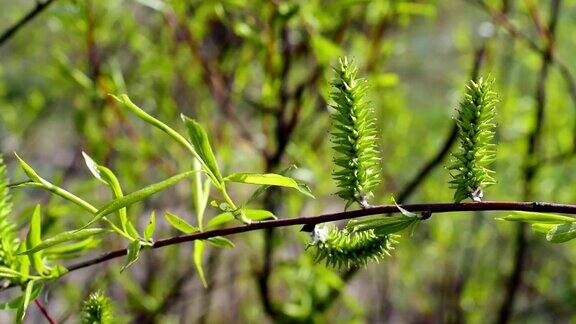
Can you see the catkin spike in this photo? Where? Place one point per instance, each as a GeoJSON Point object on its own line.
{"type": "Point", "coordinates": [97, 309]}
{"type": "Point", "coordinates": [469, 167]}
{"type": "Point", "coordinates": [353, 137]}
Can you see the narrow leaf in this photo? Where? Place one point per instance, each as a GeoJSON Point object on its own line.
{"type": "Point", "coordinates": [28, 170]}
{"type": "Point", "coordinates": [532, 218]}
{"type": "Point", "coordinates": [253, 214]}
{"type": "Point", "coordinates": [139, 195]}
{"type": "Point", "coordinates": [201, 144]}
{"type": "Point", "coordinates": [133, 253]}
{"type": "Point", "coordinates": [151, 227]}
{"type": "Point", "coordinates": [198, 253]}
{"type": "Point", "coordinates": [34, 238]}
{"type": "Point", "coordinates": [562, 233]}
{"type": "Point", "coordinates": [65, 237]}
{"type": "Point", "coordinates": [270, 179]}
{"type": "Point", "coordinates": [221, 242]}
{"type": "Point", "coordinates": [180, 224]}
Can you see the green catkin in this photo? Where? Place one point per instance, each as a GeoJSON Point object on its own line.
{"type": "Point", "coordinates": [96, 309]}
{"type": "Point", "coordinates": [475, 121]}
{"type": "Point", "coordinates": [356, 174]}
{"type": "Point", "coordinates": [353, 137]}
{"type": "Point", "coordinates": [344, 249]}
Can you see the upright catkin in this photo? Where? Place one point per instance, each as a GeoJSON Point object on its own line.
{"type": "Point", "coordinates": [353, 137]}
{"type": "Point", "coordinates": [469, 166]}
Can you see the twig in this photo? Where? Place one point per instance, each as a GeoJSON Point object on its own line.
{"type": "Point", "coordinates": [8, 33]}
{"type": "Point", "coordinates": [432, 208]}
{"type": "Point", "coordinates": [44, 311]}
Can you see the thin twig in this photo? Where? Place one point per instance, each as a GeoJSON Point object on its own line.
{"type": "Point", "coordinates": [433, 208]}
{"type": "Point", "coordinates": [44, 311]}
{"type": "Point", "coordinates": [10, 32]}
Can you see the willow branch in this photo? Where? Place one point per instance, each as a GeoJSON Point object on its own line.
{"type": "Point", "coordinates": [11, 31]}
{"type": "Point", "coordinates": [434, 208]}
{"type": "Point", "coordinates": [426, 209]}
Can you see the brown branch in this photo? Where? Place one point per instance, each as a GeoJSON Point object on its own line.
{"type": "Point", "coordinates": [44, 311]}
{"type": "Point", "coordinates": [426, 208]}
{"type": "Point", "coordinates": [10, 32]}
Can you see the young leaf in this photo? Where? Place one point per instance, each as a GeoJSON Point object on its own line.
{"type": "Point", "coordinates": [106, 175]}
{"type": "Point", "coordinates": [93, 167]}
{"type": "Point", "coordinates": [31, 291]}
{"type": "Point", "coordinates": [220, 242]}
{"type": "Point", "coordinates": [133, 253]}
{"type": "Point", "coordinates": [139, 195]}
{"type": "Point", "coordinates": [65, 237]}
{"type": "Point", "coordinates": [201, 144]}
{"type": "Point", "coordinates": [125, 100]}
{"type": "Point", "coordinates": [180, 224]}
{"type": "Point", "coordinates": [533, 218]}
{"type": "Point", "coordinates": [149, 230]}
{"type": "Point", "coordinates": [562, 233]}
{"type": "Point", "coordinates": [28, 170]}
{"type": "Point", "coordinates": [253, 214]}
{"type": "Point", "coordinates": [34, 238]}
{"type": "Point", "coordinates": [270, 179]}
{"type": "Point", "coordinates": [198, 253]}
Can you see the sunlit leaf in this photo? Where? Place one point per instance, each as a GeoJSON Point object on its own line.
{"type": "Point", "coordinates": [220, 242]}
{"type": "Point", "coordinates": [139, 195]}
{"type": "Point", "coordinates": [133, 253]}
{"type": "Point", "coordinates": [65, 237]}
{"type": "Point", "coordinates": [150, 227]}
{"type": "Point", "coordinates": [180, 224]}
{"type": "Point", "coordinates": [198, 253]}
{"type": "Point", "coordinates": [199, 139]}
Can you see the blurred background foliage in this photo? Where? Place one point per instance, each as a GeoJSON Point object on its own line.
{"type": "Point", "coordinates": [256, 73]}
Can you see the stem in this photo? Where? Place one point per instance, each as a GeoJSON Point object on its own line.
{"type": "Point", "coordinates": [8, 33]}
{"type": "Point", "coordinates": [426, 208]}
{"type": "Point", "coordinates": [44, 311]}
{"type": "Point", "coordinates": [541, 207]}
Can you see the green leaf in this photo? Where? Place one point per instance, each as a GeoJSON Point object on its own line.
{"type": "Point", "coordinates": [220, 242]}
{"type": "Point", "coordinates": [533, 218]}
{"type": "Point", "coordinates": [180, 224]}
{"type": "Point", "coordinates": [65, 237]}
{"type": "Point", "coordinates": [28, 170]}
{"type": "Point", "coordinates": [253, 214]}
{"type": "Point", "coordinates": [139, 195]}
{"type": "Point", "coordinates": [562, 233]}
{"type": "Point", "coordinates": [201, 144]}
{"type": "Point", "coordinates": [108, 177]}
{"type": "Point", "coordinates": [270, 179]}
{"type": "Point", "coordinates": [133, 253]}
{"type": "Point", "coordinates": [34, 238]}
{"type": "Point", "coordinates": [31, 291]}
{"type": "Point", "coordinates": [6, 272]}
{"type": "Point", "coordinates": [382, 225]}
{"type": "Point", "coordinates": [93, 167]}
{"type": "Point", "coordinates": [124, 99]}
{"type": "Point", "coordinates": [198, 253]}
{"type": "Point", "coordinates": [151, 227]}
{"type": "Point", "coordinates": [542, 229]}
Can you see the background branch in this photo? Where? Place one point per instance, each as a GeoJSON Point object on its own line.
{"type": "Point", "coordinates": [11, 31]}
